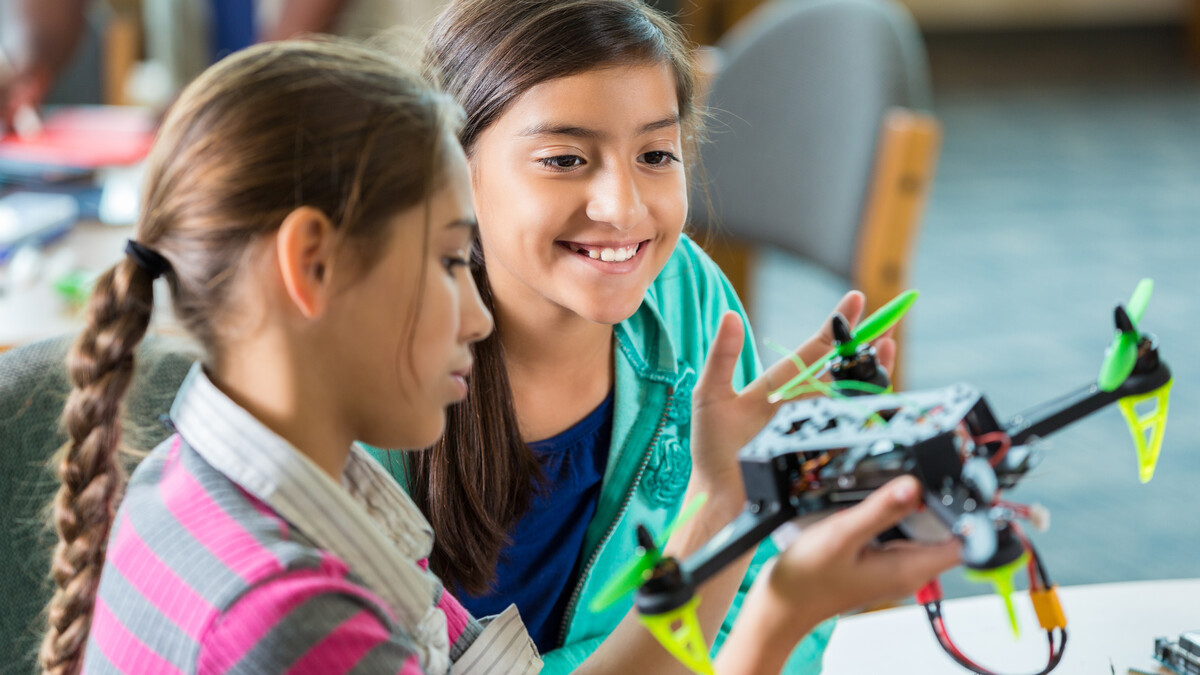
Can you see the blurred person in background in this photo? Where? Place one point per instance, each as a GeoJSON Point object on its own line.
{"type": "Point", "coordinates": [39, 38]}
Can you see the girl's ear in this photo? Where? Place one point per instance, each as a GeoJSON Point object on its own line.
{"type": "Point", "coordinates": [305, 246]}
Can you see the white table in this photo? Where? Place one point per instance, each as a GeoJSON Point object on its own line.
{"type": "Point", "coordinates": [1106, 624]}
{"type": "Point", "coordinates": [38, 312]}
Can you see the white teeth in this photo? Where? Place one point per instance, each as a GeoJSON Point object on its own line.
{"type": "Point", "coordinates": [608, 254]}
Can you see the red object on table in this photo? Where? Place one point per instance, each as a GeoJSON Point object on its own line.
{"type": "Point", "coordinates": [86, 137]}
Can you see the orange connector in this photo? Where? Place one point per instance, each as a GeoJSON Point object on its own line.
{"type": "Point", "coordinates": [1049, 609]}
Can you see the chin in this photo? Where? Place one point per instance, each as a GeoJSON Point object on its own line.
{"type": "Point", "coordinates": [415, 436]}
{"type": "Point", "coordinates": [611, 311]}
{"type": "Point", "coordinates": [432, 435]}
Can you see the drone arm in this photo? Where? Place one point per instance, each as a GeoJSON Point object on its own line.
{"type": "Point", "coordinates": [741, 535]}
{"type": "Point", "coordinates": [1049, 418]}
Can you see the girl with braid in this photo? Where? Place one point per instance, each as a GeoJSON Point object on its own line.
{"type": "Point", "coordinates": [310, 210]}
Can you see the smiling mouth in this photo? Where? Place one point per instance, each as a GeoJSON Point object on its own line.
{"type": "Point", "coordinates": [615, 254]}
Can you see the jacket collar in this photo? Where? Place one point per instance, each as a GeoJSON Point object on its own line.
{"type": "Point", "coordinates": [642, 340]}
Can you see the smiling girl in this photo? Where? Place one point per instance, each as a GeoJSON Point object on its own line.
{"type": "Point", "coordinates": [580, 122]}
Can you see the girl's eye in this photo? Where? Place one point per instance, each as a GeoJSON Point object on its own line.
{"type": "Point", "coordinates": [453, 262]}
{"type": "Point", "coordinates": [659, 158]}
{"type": "Point", "coordinates": [561, 162]}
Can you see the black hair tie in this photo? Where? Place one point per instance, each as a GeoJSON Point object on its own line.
{"type": "Point", "coordinates": [148, 259]}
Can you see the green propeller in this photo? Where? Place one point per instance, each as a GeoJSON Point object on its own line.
{"type": "Point", "coordinates": [1121, 356]}
{"type": "Point", "coordinates": [649, 553]}
{"type": "Point", "coordinates": [847, 343]}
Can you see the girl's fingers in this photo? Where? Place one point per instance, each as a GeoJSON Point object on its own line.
{"type": "Point", "coordinates": [910, 567]}
{"type": "Point", "coordinates": [885, 352]}
{"type": "Point", "coordinates": [850, 306]}
{"type": "Point", "coordinates": [716, 381]}
{"type": "Point", "coordinates": [881, 510]}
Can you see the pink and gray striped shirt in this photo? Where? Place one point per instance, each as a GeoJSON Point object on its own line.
{"type": "Point", "coordinates": [233, 553]}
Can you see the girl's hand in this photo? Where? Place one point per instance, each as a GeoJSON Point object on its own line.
{"type": "Point", "coordinates": [830, 568]}
{"type": "Point", "coordinates": [723, 421]}
{"type": "Point", "coordinates": [834, 566]}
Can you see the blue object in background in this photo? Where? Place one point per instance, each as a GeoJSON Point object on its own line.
{"type": "Point", "coordinates": [233, 26]}
{"type": "Point", "coordinates": [34, 219]}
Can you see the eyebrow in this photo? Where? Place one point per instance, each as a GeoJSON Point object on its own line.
{"type": "Point", "coordinates": [551, 129]}
{"type": "Point", "coordinates": [469, 223]}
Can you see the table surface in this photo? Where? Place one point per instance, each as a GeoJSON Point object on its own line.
{"type": "Point", "coordinates": [35, 312]}
{"type": "Point", "coordinates": [1110, 628]}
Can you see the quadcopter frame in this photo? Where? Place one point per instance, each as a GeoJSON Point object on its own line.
{"type": "Point", "coordinates": [819, 455]}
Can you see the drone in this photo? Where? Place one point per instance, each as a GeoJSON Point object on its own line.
{"type": "Point", "coordinates": [822, 454]}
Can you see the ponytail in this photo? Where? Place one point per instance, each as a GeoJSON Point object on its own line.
{"type": "Point", "coordinates": [91, 474]}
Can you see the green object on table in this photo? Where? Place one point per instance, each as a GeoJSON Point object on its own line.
{"type": "Point", "coordinates": [75, 286]}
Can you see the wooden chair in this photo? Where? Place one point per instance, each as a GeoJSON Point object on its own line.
{"type": "Point", "coordinates": [818, 144]}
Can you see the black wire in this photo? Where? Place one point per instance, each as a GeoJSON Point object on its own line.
{"type": "Point", "coordinates": [933, 612]}
{"type": "Point", "coordinates": [1037, 562]}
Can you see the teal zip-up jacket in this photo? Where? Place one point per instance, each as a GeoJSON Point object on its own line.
{"type": "Point", "coordinates": [660, 351]}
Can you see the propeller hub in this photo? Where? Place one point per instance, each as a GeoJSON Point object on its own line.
{"type": "Point", "coordinates": [1124, 323]}
{"type": "Point", "coordinates": [841, 330]}
{"type": "Point", "coordinates": [645, 539]}
{"type": "Point", "coordinates": [665, 590]}
{"type": "Point", "coordinates": [862, 366]}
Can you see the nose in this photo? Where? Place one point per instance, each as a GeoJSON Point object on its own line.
{"type": "Point", "coordinates": [476, 321]}
{"type": "Point", "coordinates": [616, 199]}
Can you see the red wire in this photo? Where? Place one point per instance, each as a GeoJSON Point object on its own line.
{"type": "Point", "coordinates": [995, 437]}
{"type": "Point", "coordinates": [940, 628]}
{"type": "Point", "coordinates": [1021, 510]}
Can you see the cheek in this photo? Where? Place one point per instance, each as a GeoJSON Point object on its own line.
{"type": "Point", "coordinates": [437, 326]}
{"type": "Point", "coordinates": [670, 206]}
{"type": "Point", "coordinates": [513, 205]}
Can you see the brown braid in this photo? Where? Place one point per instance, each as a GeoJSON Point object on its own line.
{"type": "Point", "coordinates": [91, 474]}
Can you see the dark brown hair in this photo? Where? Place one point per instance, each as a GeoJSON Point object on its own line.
{"type": "Point", "coordinates": [479, 479]}
{"type": "Point", "coordinates": [324, 124]}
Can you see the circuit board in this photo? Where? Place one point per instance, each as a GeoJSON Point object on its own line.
{"type": "Point", "coordinates": [1182, 657]}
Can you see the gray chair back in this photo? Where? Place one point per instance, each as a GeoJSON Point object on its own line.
{"type": "Point", "coordinates": [796, 112]}
{"type": "Point", "coordinates": [33, 390]}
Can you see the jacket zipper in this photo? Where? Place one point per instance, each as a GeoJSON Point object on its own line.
{"type": "Point", "coordinates": [637, 478]}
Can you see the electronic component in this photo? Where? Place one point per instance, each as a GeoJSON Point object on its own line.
{"type": "Point", "coordinates": [1183, 656]}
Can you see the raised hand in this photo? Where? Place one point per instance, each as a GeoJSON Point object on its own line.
{"type": "Point", "coordinates": [724, 420]}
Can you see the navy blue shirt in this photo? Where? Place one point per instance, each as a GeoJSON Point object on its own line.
{"type": "Point", "coordinates": [536, 570]}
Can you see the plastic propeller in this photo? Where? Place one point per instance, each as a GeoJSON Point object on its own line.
{"type": "Point", "coordinates": [872, 327]}
{"type": "Point", "coordinates": [1122, 354]}
{"type": "Point", "coordinates": [649, 553]}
